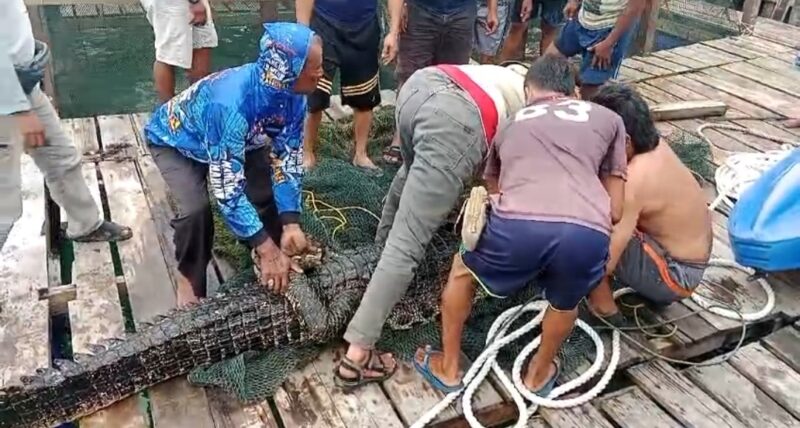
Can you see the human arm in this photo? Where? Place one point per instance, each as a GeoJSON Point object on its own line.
{"type": "Point", "coordinates": [303, 11]}
{"type": "Point", "coordinates": [614, 169]}
{"type": "Point", "coordinates": [15, 103]}
{"type": "Point", "coordinates": [199, 12]}
{"type": "Point", "coordinates": [286, 159]}
{"type": "Point", "coordinates": [491, 16]}
{"type": "Point", "coordinates": [390, 41]}
{"type": "Point", "coordinates": [622, 231]}
{"type": "Point", "coordinates": [604, 49]}
{"type": "Point", "coordinates": [570, 10]}
{"type": "Point", "coordinates": [491, 172]}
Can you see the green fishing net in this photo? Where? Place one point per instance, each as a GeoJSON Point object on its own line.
{"type": "Point", "coordinates": [342, 208]}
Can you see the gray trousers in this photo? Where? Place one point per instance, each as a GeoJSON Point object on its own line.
{"type": "Point", "coordinates": [60, 163]}
{"type": "Point", "coordinates": [443, 146]}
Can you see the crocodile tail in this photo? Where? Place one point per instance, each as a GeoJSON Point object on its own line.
{"type": "Point", "coordinates": [171, 346]}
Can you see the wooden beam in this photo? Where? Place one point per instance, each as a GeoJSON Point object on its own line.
{"type": "Point", "coordinates": [688, 110]}
{"type": "Point", "coordinates": [648, 25]}
{"type": "Point", "coordinates": [750, 11]}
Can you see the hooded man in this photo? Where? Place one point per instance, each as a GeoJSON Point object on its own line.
{"type": "Point", "coordinates": [241, 130]}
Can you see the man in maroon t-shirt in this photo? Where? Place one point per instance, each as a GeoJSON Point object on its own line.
{"type": "Point", "coordinates": [556, 176]}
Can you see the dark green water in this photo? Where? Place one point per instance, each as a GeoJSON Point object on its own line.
{"type": "Point", "coordinates": [103, 64]}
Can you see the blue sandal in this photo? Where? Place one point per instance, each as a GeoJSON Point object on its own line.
{"type": "Point", "coordinates": [425, 370]}
{"type": "Point", "coordinates": [547, 388]}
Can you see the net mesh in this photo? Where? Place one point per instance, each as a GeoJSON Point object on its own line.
{"type": "Point", "coordinates": [356, 198]}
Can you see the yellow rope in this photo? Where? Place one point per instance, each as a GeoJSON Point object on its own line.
{"type": "Point", "coordinates": [339, 216]}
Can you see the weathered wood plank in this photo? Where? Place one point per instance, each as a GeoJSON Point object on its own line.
{"type": "Point", "coordinates": [365, 407]}
{"type": "Point", "coordinates": [581, 416]}
{"type": "Point", "coordinates": [740, 396]}
{"type": "Point", "coordinates": [688, 110]}
{"type": "Point", "coordinates": [627, 74]}
{"type": "Point", "coordinates": [303, 401]}
{"type": "Point", "coordinates": [777, 32]}
{"type": "Point", "coordinates": [663, 63]}
{"type": "Point", "coordinates": [710, 92]}
{"type": "Point", "coordinates": [118, 128]}
{"type": "Point", "coordinates": [771, 374]}
{"type": "Point", "coordinates": [227, 412]}
{"type": "Point", "coordinates": [680, 398]}
{"type": "Point", "coordinates": [630, 408]}
{"type": "Point", "coordinates": [83, 133]}
{"type": "Point", "coordinates": [776, 66]}
{"type": "Point", "coordinates": [726, 45]}
{"type": "Point", "coordinates": [708, 54]}
{"type": "Point", "coordinates": [24, 320]}
{"type": "Point", "coordinates": [644, 67]}
{"type": "Point", "coordinates": [412, 395]}
{"type": "Point", "coordinates": [672, 56]}
{"type": "Point", "coordinates": [765, 77]}
{"type": "Point", "coordinates": [96, 314]}
{"type": "Point", "coordinates": [785, 344]}
{"type": "Point", "coordinates": [756, 93]}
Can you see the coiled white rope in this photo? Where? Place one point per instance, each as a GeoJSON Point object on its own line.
{"type": "Point", "coordinates": [733, 177]}
{"type": "Point", "coordinates": [498, 338]}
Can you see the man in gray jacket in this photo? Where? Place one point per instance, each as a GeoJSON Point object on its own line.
{"type": "Point", "coordinates": [29, 122]}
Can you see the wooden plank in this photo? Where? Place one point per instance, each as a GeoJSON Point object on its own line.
{"type": "Point", "coordinates": [149, 287]}
{"type": "Point", "coordinates": [627, 74]}
{"type": "Point", "coordinates": [227, 412]}
{"type": "Point", "coordinates": [686, 94]}
{"type": "Point", "coordinates": [680, 397]}
{"type": "Point", "coordinates": [365, 407]}
{"type": "Point", "coordinates": [120, 129]}
{"type": "Point", "coordinates": [644, 67]}
{"type": "Point", "coordinates": [750, 11]}
{"type": "Point", "coordinates": [785, 344]}
{"type": "Point", "coordinates": [96, 314]}
{"type": "Point", "coordinates": [756, 93]}
{"type": "Point", "coordinates": [630, 407]}
{"type": "Point", "coordinates": [777, 66]}
{"type": "Point", "coordinates": [781, 10]}
{"type": "Point", "coordinates": [688, 110]}
{"type": "Point", "coordinates": [676, 58]}
{"type": "Point", "coordinates": [83, 133]}
{"type": "Point", "coordinates": [580, 416]}
{"type": "Point", "coordinates": [777, 32]}
{"type": "Point", "coordinates": [412, 395]}
{"type": "Point", "coordinates": [731, 48]}
{"type": "Point", "coordinates": [740, 396]}
{"type": "Point", "coordinates": [536, 422]}
{"type": "Point", "coordinates": [707, 54]}
{"type": "Point", "coordinates": [735, 103]}
{"type": "Point", "coordinates": [24, 319]}
{"type": "Point", "coordinates": [303, 401]}
{"type": "Point", "coordinates": [663, 63]}
{"type": "Point", "coordinates": [782, 83]}
{"type": "Point", "coordinates": [770, 374]}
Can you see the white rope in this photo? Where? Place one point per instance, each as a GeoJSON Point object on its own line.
{"type": "Point", "coordinates": [487, 361]}
{"type": "Point", "coordinates": [733, 177]}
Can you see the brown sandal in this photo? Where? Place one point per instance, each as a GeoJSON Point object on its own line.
{"type": "Point", "coordinates": [349, 383]}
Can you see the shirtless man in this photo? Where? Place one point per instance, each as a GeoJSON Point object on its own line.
{"type": "Point", "coordinates": [661, 246]}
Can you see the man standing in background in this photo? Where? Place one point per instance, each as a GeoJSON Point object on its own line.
{"type": "Point", "coordinates": [551, 17]}
{"type": "Point", "coordinates": [435, 32]}
{"type": "Point", "coordinates": [29, 122]}
{"type": "Point", "coordinates": [351, 33]}
{"type": "Point", "coordinates": [184, 36]}
{"type": "Point", "coordinates": [488, 43]}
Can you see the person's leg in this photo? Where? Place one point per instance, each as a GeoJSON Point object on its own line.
{"type": "Point", "coordinates": [360, 77]}
{"type": "Point", "coordinates": [576, 266]}
{"type": "Point", "coordinates": [456, 306]}
{"type": "Point", "coordinates": [193, 222]}
{"type": "Point", "coordinates": [10, 152]}
{"type": "Point", "coordinates": [416, 48]}
{"type": "Point", "coordinates": [320, 99]}
{"type": "Point", "coordinates": [551, 18]}
{"type": "Point", "coordinates": [204, 38]}
{"type": "Point", "coordinates": [258, 188]}
{"type": "Point", "coordinates": [591, 77]}
{"type": "Point", "coordinates": [173, 43]}
{"type": "Point", "coordinates": [60, 163]}
{"type": "Point", "coordinates": [488, 45]}
{"type": "Point", "coordinates": [447, 152]}
{"type": "Point", "coordinates": [455, 43]}
{"type": "Point", "coordinates": [514, 44]}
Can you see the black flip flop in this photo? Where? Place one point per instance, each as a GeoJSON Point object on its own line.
{"type": "Point", "coordinates": [350, 383]}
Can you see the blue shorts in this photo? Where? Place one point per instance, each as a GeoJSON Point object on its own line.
{"type": "Point", "coordinates": [551, 12]}
{"type": "Point", "coordinates": [575, 39]}
{"type": "Point", "coordinates": [566, 260]}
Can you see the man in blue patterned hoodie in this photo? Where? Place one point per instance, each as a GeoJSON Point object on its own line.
{"type": "Point", "coordinates": [241, 131]}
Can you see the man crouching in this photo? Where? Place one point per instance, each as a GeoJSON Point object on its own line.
{"type": "Point", "coordinates": [661, 246]}
{"type": "Point", "coordinates": [556, 180]}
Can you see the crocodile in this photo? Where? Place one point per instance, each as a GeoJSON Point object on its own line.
{"type": "Point", "coordinates": [315, 310]}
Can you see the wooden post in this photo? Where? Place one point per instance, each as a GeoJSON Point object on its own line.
{"type": "Point", "coordinates": [750, 11]}
{"type": "Point", "coordinates": [794, 15]}
{"type": "Point", "coordinates": [648, 24]}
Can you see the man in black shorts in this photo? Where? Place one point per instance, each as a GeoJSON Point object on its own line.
{"type": "Point", "coordinates": [351, 36]}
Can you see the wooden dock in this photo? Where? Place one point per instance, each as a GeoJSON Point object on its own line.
{"type": "Point", "coordinates": [133, 280]}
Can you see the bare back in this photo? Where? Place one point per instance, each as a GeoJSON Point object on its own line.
{"type": "Point", "coordinates": [674, 211]}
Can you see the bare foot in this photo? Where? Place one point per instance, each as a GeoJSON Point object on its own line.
{"type": "Point", "coordinates": [364, 161]}
{"type": "Point", "coordinates": [309, 161]}
{"type": "Point", "coordinates": [535, 381]}
{"type": "Point", "coordinates": [435, 362]}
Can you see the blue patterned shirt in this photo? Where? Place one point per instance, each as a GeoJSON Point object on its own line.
{"type": "Point", "coordinates": [219, 118]}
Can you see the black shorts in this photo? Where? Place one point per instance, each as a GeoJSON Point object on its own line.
{"type": "Point", "coordinates": [353, 49]}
